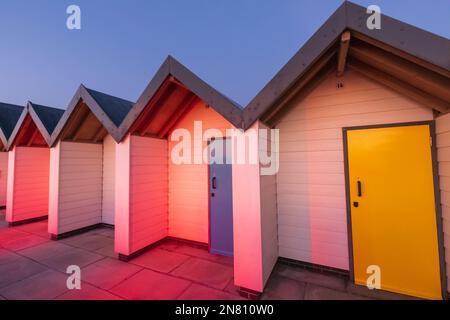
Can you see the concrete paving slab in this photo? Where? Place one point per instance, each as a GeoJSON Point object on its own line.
{"type": "Point", "coordinates": [150, 285]}
{"type": "Point", "coordinates": [90, 242]}
{"type": "Point", "coordinates": [314, 292]}
{"type": "Point", "coordinates": [107, 273]}
{"type": "Point", "coordinates": [8, 256]}
{"type": "Point", "coordinates": [160, 260]}
{"type": "Point", "coordinates": [317, 278]}
{"type": "Point", "coordinates": [17, 270]}
{"type": "Point", "coordinates": [11, 234]}
{"type": "Point", "coordinates": [205, 272]}
{"type": "Point", "coordinates": [73, 256]}
{"type": "Point", "coordinates": [38, 228]}
{"type": "Point", "coordinates": [203, 253]}
{"type": "Point", "coordinates": [199, 292]}
{"type": "Point", "coordinates": [106, 232]}
{"type": "Point", "coordinates": [45, 251]}
{"type": "Point", "coordinates": [23, 242]}
{"type": "Point", "coordinates": [88, 292]}
{"type": "Point", "coordinates": [42, 286]}
{"type": "Point", "coordinates": [107, 251]}
{"type": "Point", "coordinates": [281, 288]}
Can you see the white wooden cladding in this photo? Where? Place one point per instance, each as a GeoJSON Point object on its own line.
{"type": "Point", "coordinates": [312, 220]}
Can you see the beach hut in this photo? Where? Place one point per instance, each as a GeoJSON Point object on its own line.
{"type": "Point", "coordinates": [9, 115]}
{"type": "Point", "coordinates": [28, 164]}
{"type": "Point", "coordinates": [363, 181]}
{"type": "Point", "coordinates": [82, 163]}
{"type": "Point", "coordinates": [159, 195]}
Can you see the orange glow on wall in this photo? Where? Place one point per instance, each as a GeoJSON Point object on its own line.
{"type": "Point", "coordinates": [188, 183]}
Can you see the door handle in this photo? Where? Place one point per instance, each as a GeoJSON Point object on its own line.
{"type": "Point", "coordinates": [214, 183]}
{"type": "Point", "coordinates": [359, 189]}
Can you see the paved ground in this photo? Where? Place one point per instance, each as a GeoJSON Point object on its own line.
{"type": "Point", "coordinates": [33, 267]}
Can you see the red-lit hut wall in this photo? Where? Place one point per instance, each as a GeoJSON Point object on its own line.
{"type": "Point", "coordinates": [3, 177]}
{"type": "Point", "coordinates": [188, 183]}
{"type": "Point", "coordinates": [148, 191]}
{"type": "Point", "coordinates": [28, 183]}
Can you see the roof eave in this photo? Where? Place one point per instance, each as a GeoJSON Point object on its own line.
{"type": "Point", "coordinates": [82, 94]}
{"type": "Point", "coordinates": [171, 67]}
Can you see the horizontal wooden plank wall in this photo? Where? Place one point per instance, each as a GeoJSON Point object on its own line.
{"type": "Point", "coordinates": [188, 183]}
{"type": "Point", "coordinates": [443, 146]}
{"type": "Point", "coordinates": [80, 185]}
{"type": "Point", "coordinates": [247, 231]}
{"type": "Point", "coordinates": [3, 177]}
{"type": "Point", "coordinates": [30, 183]}
{"type": "Point", "coordinates": [109, 160]}
{"type": "Point", "coordinates": [312, 221]}
{"type": "Point", "coordinates": [148, 217]}
{"type": "Point", "coordinates": [269, 223]}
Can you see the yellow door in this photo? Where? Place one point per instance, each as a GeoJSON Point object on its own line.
{"type": "Point", "coordinates": [393, 211]}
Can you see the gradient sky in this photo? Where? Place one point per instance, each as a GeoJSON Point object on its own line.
{"type": "Point", "coordinates": [236, 46]}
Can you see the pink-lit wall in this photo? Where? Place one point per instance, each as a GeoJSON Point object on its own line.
{"type": "Point", "coordinates": [122, 243]}
{"type": "Point", "coordinates": [28, 183]}
{"type": "Point", "coordinates": [254, 221]}
{"type": "Point", "coordinates": [141, 216]}
{"type": "Point", "coordinates": [146, 178]}
{"type": "Point", "coordinates": [3, 177]}
{"type": "Point", "coordinates": [188, 183]}
{"type": "Point", "coordinates": [148, 191]}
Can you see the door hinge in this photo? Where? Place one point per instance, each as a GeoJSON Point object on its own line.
{"type": "Point", "coordinates": [431, 141]}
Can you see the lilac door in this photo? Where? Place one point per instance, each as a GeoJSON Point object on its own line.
{"type": "Point", "coordinates": [221, 198]}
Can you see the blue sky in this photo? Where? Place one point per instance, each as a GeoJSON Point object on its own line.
{"type": "Point", "coordinates": [236, 46]}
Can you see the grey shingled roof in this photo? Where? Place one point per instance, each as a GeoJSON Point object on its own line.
{"type": "Point", "coordinates": [115, 108]}
{"type": "Point", "coordinates": [9, 115]}
{"type": "Point", "coordinates": [49, 116]}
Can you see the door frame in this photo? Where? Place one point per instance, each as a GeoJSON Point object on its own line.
{"type": "Point", "coordinates": [209, 190]}
{"type": "Point", "coordinates": [437, 195]}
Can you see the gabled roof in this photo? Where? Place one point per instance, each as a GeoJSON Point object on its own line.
{"type": "Point", "coordinates": [49, 117]}
{"type": "Point", "coordinates": [45, 119]}
{"type": "Point", "coordinates": [229, 109]}
{"type": "Point", "coordinates": [115, 108]}
{"type": "Point", "coordinates": [9, 115]}
{"type": "Point", "coordinates": [429, 48]}
{"type": "Point", "coordinates": [109, 110]}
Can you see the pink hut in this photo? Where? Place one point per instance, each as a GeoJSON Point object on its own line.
{"type": "Point", "coordinates": [159, 195]}
{"type": "Point", "coordinates": [9, 115]}
{"type": "Point", "coordinates": [28, 164]}
{"type": "Point", "coordinates": [82, 163]}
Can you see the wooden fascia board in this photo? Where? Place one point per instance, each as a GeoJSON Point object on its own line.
{"type": "Point", "coordinates": [17, 128]}
{"type": "Point", "coordinates": [39, 124]}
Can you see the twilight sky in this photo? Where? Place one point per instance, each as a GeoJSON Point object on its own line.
{"type": "Point", "coordinates": [236, 46]}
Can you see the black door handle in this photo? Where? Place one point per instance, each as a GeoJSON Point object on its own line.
{"type": "Point", "coordinates": [214, 183]}
{"type": "Point", "coordinates": [359, 189]}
